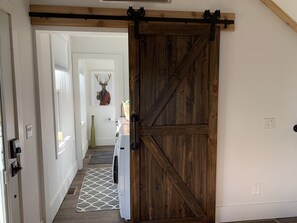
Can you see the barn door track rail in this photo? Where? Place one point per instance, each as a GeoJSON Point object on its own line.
{"type": "Point", "coordinates": [208, 17]}
{"type": "Point", "coordinates": [55, 15]}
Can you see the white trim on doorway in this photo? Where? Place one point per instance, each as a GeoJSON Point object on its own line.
{"type": "Point", "coordinates": [118, 59]}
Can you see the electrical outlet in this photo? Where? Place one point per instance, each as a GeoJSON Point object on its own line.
{"type": "Point", "coordinates": [269, 123]}
{"type": "Point", "coordinates": [256, 189]}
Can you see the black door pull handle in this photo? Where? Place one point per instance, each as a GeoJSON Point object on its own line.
{"type": "Point", "coordinates": [135, 137]}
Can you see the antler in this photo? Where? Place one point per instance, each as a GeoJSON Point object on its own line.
{"type": "Point", "coordinates": [97, 78]}
{"type": "Point", "coordinates": [109, 76]}
{"type": "Point", "coordinates": [100, 81]}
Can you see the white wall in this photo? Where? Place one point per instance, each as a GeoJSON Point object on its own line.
{"type": "Point", "coordinates": [59, 169]}
{"type": "Point", "coordinates": [110, 45]}
{"type": "Point", "coordinates": [83, 109]}
{"type": "Point", "coordinates": [26, 106]}
{"type": "Point", "coordinates": [257, 80]}
{"type": "Point", "coordinates": [104, 116]}
{"type": "Point", "coordinates": [104, 53]}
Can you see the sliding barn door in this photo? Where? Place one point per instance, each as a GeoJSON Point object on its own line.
{"type": "Point", "coordinates": [174, 93]}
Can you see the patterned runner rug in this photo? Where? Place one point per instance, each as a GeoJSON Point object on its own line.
{"type": "Point", "coordinates": [98, 192]}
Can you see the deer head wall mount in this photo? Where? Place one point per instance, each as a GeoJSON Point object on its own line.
{"type": "Point", "coordinates": [102, 82]}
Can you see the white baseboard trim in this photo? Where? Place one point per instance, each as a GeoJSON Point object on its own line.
{"type": "Point", "coordinates": [61, 193]}
{"type": "Point", "coordinates": [85, 147]}
{"type": "Point", "coordinates": [255, 211]}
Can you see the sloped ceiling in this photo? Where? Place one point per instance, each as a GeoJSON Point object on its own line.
{"type": "Point", "coordinates": [285, 10]}
{"type": "Point", "coordinates": [288, 6]}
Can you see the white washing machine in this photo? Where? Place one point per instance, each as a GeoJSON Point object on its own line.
{"type": "Point", "coordinates": [121, 167]}
{"type": "Point", "coordinates": [120, 123]}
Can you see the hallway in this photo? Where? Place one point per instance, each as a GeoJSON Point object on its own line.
{"type": "Point", "coordinates": [67, 213]}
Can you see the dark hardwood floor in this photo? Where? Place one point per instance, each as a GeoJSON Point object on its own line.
{"type": "Point", "coordinates": [279, 220]}
{"type": "Point", "coordinates": [67, 213]}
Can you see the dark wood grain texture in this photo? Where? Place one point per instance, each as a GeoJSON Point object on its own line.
{"type": "Point", "coordinates": [179, 74]}
{"type": "Point", "coordinates": [213, 118]}
{"type": "Point", "coordinates": [173, 175]}
{"type": "Point", "coordinates": [153, 28]}
{"type": "Point", "coordinates": [174, 130]}
{"type": "Point", "coordinates": [134, 109]}
{"type": "Point", "coordinates": [177, 88]}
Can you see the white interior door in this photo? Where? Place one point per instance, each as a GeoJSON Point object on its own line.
{"type": "Point", "coordinates": [10, 196]}
{"type": "Point", "coordinates": [3, 197]}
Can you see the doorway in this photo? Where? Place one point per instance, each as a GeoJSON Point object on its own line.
{"type": "Point", "coordinates": [184, 80]}
{"type": "Point", "coordinates": [89, 53]}
{"type": "Point", "coordinates": [86, 67]}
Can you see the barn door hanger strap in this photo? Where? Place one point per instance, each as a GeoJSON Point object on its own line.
{"type": "Point", "coordinates": [208, 17]}
{"type": "Point", "coordinates": [213, 20]}
{"type": "Point", "coordinates": [136, 16]}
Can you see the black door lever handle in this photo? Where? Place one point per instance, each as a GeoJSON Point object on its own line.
{"type": "Point", "coordinates": [15, 168]}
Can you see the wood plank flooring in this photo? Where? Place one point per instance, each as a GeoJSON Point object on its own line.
{"type": "Point", "coordinates": [67, 213]}
{"type": "Point", "coordinates": [279, 220]}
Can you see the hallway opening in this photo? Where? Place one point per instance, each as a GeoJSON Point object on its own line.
{"type": "Point", "coordinates": [73, 68]}
{"type": "Point", "coordinates": [67, 211]}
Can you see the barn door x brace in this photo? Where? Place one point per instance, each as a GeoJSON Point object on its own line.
{"type": "Point", "coordinates": [139, 15]}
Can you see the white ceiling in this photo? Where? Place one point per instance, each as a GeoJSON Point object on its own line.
{"type": "Point", "coordinates": [179, 5]}
{"type": "Point", "coordinates": [97, 3]}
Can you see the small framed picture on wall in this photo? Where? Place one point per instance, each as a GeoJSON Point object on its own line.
{"type": "Point", "coordinates": [102, 87]}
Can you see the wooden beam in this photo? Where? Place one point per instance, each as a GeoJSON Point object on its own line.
{"type": "Point", "coordinates": [281, 14]}
{"type": "Point", "coordinates": [175, 130]}
{"type": "Point", "coordinates": [110, 12]}
{"type": "Point", "coordinates": [78, 22]}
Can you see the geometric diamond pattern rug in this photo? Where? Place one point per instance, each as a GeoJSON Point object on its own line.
{"type": "Point", "coordinates": [98, 191]}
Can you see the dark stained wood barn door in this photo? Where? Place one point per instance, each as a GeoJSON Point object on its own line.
{"type": "Point", "coordinates": [174, 93]}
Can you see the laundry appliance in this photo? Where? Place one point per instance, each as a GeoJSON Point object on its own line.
{"type": "Point", "coordinates": [121, 166]}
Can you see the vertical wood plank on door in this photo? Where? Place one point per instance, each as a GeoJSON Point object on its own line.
{"type": "Point", "coordinates": [213, 118]}
{"type": "Point", "coordinates": [134, 108]}
{"type": "Point", "coordinates": [177, 86]}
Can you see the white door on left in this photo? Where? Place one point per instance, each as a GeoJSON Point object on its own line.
{"type": "Point", "coordinates": [3, 198]}
{"type": "Point", "coordinates": [9, 187]}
